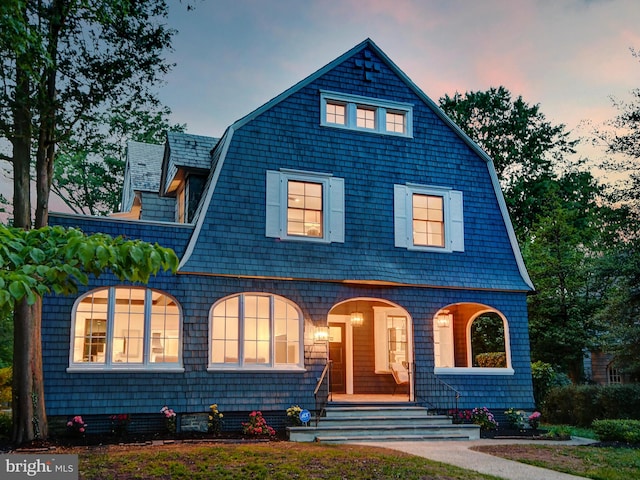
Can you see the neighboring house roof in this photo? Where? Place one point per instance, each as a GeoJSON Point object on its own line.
{"type": "Point", "coordinates": [223, 147]}
{"type": "Point", "coordinates": [144, 162]}
{"type": "Point", "coordinates": [186, 151]}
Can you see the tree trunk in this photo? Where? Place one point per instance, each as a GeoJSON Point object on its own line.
{"type": "Point", "coordinates": [29, 421]}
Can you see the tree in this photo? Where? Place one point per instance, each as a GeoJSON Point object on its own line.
{"type": "Point", "coordinates": [89, 166]}
{"type": "Point", "coordinates": [63, 62]}
{"type": "Point", "coordinates": [53, 259]}
{"type": "Point", "coordinates": [622, 140]}
{"type": "Point", "coordinates": [526, 149]}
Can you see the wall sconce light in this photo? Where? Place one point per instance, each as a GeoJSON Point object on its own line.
{"type": "Point", "coordinates": [321, 335]}
{"type": "Point", "coordinates": [444, 319]}
{"type": "Point", "coordinates": [357, 319]}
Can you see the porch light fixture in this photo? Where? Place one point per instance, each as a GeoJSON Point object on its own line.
{"type": "Point", "coordinates": [321, 335]}
{"type": "Point", "coordinates": [357, 319]}
{"type": "Point", "coordinates": [444, 318]}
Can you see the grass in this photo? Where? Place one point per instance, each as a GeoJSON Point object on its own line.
{"type": "Point", "coordinates": [592, 462]}
{"type": "Point", "coordinates": [274, 460]}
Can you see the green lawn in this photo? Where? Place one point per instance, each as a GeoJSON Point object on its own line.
{"type": "Point", "coordinates": [586, 461]}
{"type": "Point", "coordinates": [276, 460]}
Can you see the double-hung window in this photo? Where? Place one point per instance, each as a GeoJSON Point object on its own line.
{"type": "Point", "coordinates": [366, 114]}
{"type": "Point", "coordinates": [428, 218]}
{"type": "Point", "coordinates": [304, 206]}
{"type": "Point", "coordinates": [126, 328]}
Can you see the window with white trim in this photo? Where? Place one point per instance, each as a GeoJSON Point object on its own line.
{"type": "Point", "coordinates": [126, 327]}
{"type": "Point", "coordinates": [256, 331]}
{"type": "Point", "coordinates": [471, 338]}
{"type": "Point", "coordinates": [428, 218]}
{"type": "Point", "coordinates": [304, 206]}
{"type": "Point", "coordinates": [366, 114]}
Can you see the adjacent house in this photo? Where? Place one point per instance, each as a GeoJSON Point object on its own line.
{"type": "Point", "coordinates": [346, 237]}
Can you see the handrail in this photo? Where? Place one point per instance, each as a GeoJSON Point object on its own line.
{"type": "Point", "coordinates": [322, 398]}
{"type": "Point", "coordinates": [321, 379]}
{"type": "Point", "coordinates": [438, 394]}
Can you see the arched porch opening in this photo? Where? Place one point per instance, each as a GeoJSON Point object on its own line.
{"type": "Point", "coordinates": [370, 347]}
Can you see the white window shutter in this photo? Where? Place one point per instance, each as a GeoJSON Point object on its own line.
{"type": "Point", "coordinates": [400, 216]}
{"type": "Point", "coordinates": [273, 199]}
{"type": "Point", "coordinates": [457, 221]}
{"type": "Point", "coordinates": [336, 210]}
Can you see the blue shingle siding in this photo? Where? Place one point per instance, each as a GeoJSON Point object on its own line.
{"type": "Point", "coordinates": [227, 252]}
{"type": "Point", "coordinates": [170, 235]}
{"type": "Point", "coordinates": [289, 136]}
{"type": "Point", "coordinates": [196, 388]}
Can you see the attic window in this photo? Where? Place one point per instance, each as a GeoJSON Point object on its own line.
{"type": "Point", "coordinates": [366, 114]}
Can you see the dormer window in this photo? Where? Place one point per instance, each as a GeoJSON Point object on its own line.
{"type": "Point", "coordinates": [366, 114]}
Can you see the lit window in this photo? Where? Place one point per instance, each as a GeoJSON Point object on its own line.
{"type": "Point", "coordinates": [336, 113]}
{"type": "Point", "coordinates": [304, 209]}
{"type": "Point", "coordinates": [304, 206]}
{"type": "Point", "coordinates": [255, 331]}
{"type": "Point", "coordinates": [428, 220]}
{"type": "Point", "coordinates": [395, 122]}
{"type": "Point", "coordinates": [126, 327]}
{"type": "Point", "coordinates": [374, 115]}
{"type": "Point", "coordinates": [365, 118]}
{"type": "Point", "coordinates": [471, 338]}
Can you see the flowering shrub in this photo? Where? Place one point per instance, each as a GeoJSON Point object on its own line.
{"type": "Point", "coordinates": [257, 425]}
{"type": "Point", "coordinates": [516, 418]}
{"type": "Point", "coordinates": [119, 423]}
{"type": "Point", "coordinates": [484, 418]}
{"type": "Point", "coordinates": [215, 419]}
{"type": "Point", "coordinates": [293, 414]}
{"type": "Point", "coordinates": [169, 418]}
{"type": "Point", "coordinates": [76, 425]}
{"type": "Point", "coordinates": [460, 416]}
{"type": "Point", "coordinates": [534, 419]}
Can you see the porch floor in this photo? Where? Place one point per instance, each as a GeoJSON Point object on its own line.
{"type": "Point", "coordinates": [369, 398]}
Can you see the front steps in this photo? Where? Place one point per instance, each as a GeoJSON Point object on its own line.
{"type": "Point", "coordinates": [380, 423]}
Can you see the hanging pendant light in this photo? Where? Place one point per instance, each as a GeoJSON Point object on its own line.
{"type": "Point", "coordinates": [357, 318]}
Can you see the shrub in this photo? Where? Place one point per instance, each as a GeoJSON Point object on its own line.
{"type": "Point", "coordinates": [6, 378]}
{"type": "Point", "coordinates": [484, 418]}
{"type": "Point", "coordinates": [293, 415]}
{"type": "Point", "coordinates": [545, 378]}
{"type": "Point", "coordinates": [559, 432]}
{"type": "Point", "coordinates": [492, 360]}
{"type": "Point", "coordinates": [215, 419]}
{"type": "Point", "coordinates": [169, 418]}
{"type": "Point", "coordinates": [5, 425]}
{"type": "Point", "coordinates": [257, 425]}
{"type": "Point", "coordinates": [515, 418]}
{"type": "Point", "coordinates": [580, 405]}
{"type": "Point", "coordinates": [617, 430]}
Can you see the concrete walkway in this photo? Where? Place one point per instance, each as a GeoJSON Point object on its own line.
{"type": "Point", "coordinates": [458, 453]}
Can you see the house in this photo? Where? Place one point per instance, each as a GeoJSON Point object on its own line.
{"type": "Point", "coordinates": [348, 219]}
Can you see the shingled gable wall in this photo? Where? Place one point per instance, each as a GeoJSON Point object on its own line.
{"type": "Point", "coordinates": [230, 246]}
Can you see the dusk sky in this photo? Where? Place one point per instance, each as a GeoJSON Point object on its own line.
{"type": "Point", "coordinates": [569, 56]}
